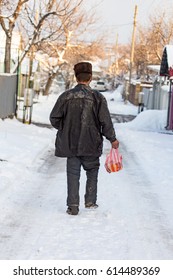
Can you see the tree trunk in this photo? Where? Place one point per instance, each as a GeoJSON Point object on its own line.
{"type": "Point", "coordinates": [49, 83]}
{"type": "Point", "coordinates": [7, 59]}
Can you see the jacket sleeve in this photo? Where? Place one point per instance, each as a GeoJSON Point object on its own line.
{"type": "Point", "coordinates": [105, 121]}
{"type": "Point", "coordinates": [56, 115]}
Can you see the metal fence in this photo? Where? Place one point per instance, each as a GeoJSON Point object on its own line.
{"type": "Point", "coordinates": [8, 92]}
{"type": "Point", "coordinates": [157, 97]}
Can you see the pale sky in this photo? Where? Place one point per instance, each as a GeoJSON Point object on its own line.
{"type": "Point", "coordinates": [117, 15]}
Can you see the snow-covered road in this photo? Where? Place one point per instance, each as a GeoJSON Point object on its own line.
{"type": "Point", "coordinates": [134, 218]}
{"type": "Point", "coordinates": [130, 222]}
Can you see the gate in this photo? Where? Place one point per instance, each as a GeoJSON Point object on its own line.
{"type": "Point", "coordinates": [8, 92]}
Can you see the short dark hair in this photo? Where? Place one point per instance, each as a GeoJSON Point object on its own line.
{"type": "Point", "coordinates": [84, 77]}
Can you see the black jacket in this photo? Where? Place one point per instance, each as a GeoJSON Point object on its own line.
{"type": "Point", "coordinates": [82, 118]}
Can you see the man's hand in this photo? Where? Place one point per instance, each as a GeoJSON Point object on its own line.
{"type": "Point", "coordinates": [115, 144]}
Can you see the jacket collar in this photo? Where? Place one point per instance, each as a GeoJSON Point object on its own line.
{"type": "Point", "coordinates": [80, 86]}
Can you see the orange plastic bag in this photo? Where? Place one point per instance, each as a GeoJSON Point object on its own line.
{"type": "Point", "coordinates": [113, 161]}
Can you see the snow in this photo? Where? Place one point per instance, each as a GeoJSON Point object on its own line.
{"type": "Point", "coordinates": [150, 120]}
{"type": "Point", "coordinates": [134, 218]}
{"type": "Point", "coordinates": [169, 49]}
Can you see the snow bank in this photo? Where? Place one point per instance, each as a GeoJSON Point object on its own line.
{"type": "Point", "coordinates": [149, 120]}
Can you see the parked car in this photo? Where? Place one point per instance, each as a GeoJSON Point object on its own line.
{"type": "Point", "coordinates": [99, 85]}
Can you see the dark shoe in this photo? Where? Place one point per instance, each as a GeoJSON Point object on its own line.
{"type": "Point", "coordinates": [72, 210]}
{"type": "Point", "coordinates": [91, 205]}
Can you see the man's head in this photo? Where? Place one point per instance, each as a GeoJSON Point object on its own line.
{"type": "Point", "coordinates": [83, 71]}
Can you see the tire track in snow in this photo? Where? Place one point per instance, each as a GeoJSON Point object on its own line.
{"type": "Point", "coordinates": [51, 164]}
{"type": "Point", "coordinates": [149, 213]}
{"type": "Point", "coordinates": [23, 217]}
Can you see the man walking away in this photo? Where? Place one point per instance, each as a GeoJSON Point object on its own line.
{"type": "Point", "coordinates": [82, 118]}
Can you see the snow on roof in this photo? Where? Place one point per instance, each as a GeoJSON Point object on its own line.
{"type": "Point", "coordinates": [154, 68]}
{"type": "Point", "coordinates": [169, 49]}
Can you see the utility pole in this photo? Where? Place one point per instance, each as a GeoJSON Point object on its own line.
{"type": "Point", "coordinates": [116, 55]}
{"type": "Point", "coordinates": [132, 44]}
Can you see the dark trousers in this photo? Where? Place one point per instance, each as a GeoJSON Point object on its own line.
{"type": "Point", "coordinates": [91, 166]}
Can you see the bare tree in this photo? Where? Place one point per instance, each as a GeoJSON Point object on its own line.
{"type": "Point", "coordinates": [7, 23]}
{"type": "Point", "coordinates": [36, 25]}
{"type": "Point", "coordinates": [151, 40]}
{"type": "Point", "coordinates": [11, 11]}
{"type": "Point", "coordinates": [66, 48]}
{"type": "Point", "coordinates": [63, 59]}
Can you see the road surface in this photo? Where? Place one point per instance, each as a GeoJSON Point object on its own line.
{"type": "Point", "coordinates": [130, 222]}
